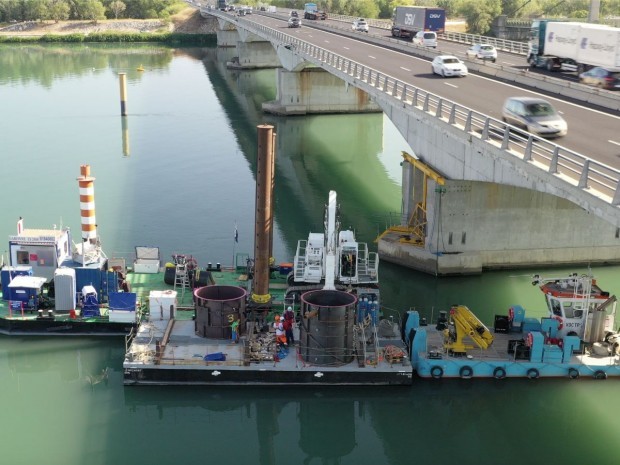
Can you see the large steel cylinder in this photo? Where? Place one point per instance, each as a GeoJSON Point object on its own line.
{"type": "Point", "coordinates": [326, 327]}
{"type": "Point", "coordinates": [217, 307]}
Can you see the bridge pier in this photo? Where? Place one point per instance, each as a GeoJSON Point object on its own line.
{"type": "Point", "coordinates": [227, 37]}
{"type": "Point", "coordinates": [313, 90]}
{"type": "Point", "coordinates": [474, 225]}
{"type": "Point", "coordinates": [253, 55]}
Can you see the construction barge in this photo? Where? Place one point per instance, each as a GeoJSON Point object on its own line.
{"type": "Point", "coordinates": [233, 333]}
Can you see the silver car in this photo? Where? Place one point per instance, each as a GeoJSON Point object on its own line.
{"type": "Point", "coordinates": [534, 115]}
{"type": "Point", "coordinates": [482, 51]}
{"type": "Point", "coordinates": [360, 25]}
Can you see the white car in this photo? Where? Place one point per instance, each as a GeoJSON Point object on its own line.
{"type": "Point", "coordinates": [425, 39]}
{"type": "Point", "coordinates": [482, 51]}
{"type": "Point", "coordinates": [360, 25]}
{"type": "Point", "coordinates": [449, 65]}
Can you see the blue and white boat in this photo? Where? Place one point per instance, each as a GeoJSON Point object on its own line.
{"type": "Point", "coordinates": [575, 339]}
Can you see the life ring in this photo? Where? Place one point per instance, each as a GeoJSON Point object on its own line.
{"type": "Point", "coordinates": [600, 374]}
{"type": "Point", "coordinates": [437, 372]}
{"type": "Point", "coordinates": [499, 373]}
{"type": "Point", "coordinates": [466, 372]}
{"type": "Point", "coordinates": [533, 373]}
{"type": "Point", "coordinates": [559, 320]}
{"type": "Point", "coordinates": [573, 373]}
{"type": "Point", "coordinates": [529, 340]}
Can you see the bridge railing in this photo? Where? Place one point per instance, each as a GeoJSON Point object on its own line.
{"type": "Point", "coordinates": [592, 176]}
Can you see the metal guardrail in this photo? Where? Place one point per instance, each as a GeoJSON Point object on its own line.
{"type": "Point", "coordinates": [510, 46]}
{"type": "Point", "coordinates": [591, 176]}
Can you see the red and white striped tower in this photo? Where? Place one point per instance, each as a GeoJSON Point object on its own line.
{"type": "Point", "coordinates": [87, 205]}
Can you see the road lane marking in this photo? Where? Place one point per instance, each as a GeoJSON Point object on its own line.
{"type": "Point", "coordinates": [370, 56]}
{"type": "Point", "coordinates": [406, 69]}
{"type": "Point", "coordinates": [613, 142]}
{"type": "Point", "coordinates": [346, 48]}
{"type": "Point", "coordinates": [451, 85]}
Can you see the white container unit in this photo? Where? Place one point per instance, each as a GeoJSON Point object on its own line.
{"type": "Point", "coordinates": [160, 303]}
{"type": "Point", "coordinates": [65, 288]}
{"type": "Point", "coordinates": [147, 260]}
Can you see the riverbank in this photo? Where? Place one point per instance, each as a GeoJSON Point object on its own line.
{"type": "Point", "coordinates": [187, 21]}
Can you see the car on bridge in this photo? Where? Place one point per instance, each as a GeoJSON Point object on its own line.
{"type": "Point", "coordinates": [448, 65]}
{"type": "Point", "coordinates": [535, 115]}
{"type": "Point", "coordinates": [425, 39]}
{"type": "Point", "coordinates": [294, 21]}
{"type": "Point", "coordinates": [360, 25]}
{"type": "Point", "coordinates": [601, 77]}
{"type": "Point", "coordinates": [482, 52]}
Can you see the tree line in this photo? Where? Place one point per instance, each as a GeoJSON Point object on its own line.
{"type": "Point", "coordinates": [61, 10]}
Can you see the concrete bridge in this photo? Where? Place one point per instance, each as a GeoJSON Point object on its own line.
{"type": "Point", "coordinates": [478, 193]}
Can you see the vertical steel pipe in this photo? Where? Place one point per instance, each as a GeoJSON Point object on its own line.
{"type": "Point", "coordinates": [263, 223]}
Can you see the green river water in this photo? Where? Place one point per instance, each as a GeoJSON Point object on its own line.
{"type": "Point", "coordinates": [178, 173]}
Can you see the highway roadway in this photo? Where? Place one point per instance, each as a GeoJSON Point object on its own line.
{"type": "Point", "coordinates": [591, 132]}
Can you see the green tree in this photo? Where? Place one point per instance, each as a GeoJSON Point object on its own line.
{"type": "Point", "coordinates": [117, 7]}
{"type": "Point", "coordinates": [92, 10]}
{"type": "Point", "coordinates": [36, 10]}
{"type": "Point", "coordinates": [480, 14]}
{"type": "Point", "coordinates": [59, 10]}
{"type": "Point", "coordinates": [453, 7]}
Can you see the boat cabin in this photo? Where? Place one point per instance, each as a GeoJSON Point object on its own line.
{"type": "Point", "coordinates": [42, 249]}
{"type": "Point", "coordinates": [580, 306]}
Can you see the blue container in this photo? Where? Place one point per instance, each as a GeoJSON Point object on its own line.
{"type": "Point", "coordinates": [6, 276]}
{"type": "Point", "coordinates": [531, 324]}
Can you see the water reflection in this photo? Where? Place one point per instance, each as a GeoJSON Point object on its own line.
{"type": "Point", "coordinates": [43, 64]}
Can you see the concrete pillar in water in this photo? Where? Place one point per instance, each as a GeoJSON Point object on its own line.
{"type": "Point", "coordinates": [122, 79]}
{"type": "Point", "coordinates": [263, 223]}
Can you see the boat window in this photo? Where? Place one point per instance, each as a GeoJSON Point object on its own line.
{"type": "Point", "coordinates": [23, 257]}
{"type": "Point", "coordinates": [569, 311]}
{"type": "Point", "coordinates": [556, 308]}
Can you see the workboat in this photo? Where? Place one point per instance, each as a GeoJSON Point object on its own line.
{"type": "Point", "coordinates": [575, 339]}
{"type": "Point", "coordinates": [230, 336]}
{"type": "Point", "coordinates": [53, 286]}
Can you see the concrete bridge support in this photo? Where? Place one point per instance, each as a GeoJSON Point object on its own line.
{"type": "Point", "coordinates": [254, 55]}
{"type": "Point", "coordinates": [474, 225]}
{"type": "Point", "coordinates": [227, 38]}
{"type": "Point", "coordinates": [313, 90]}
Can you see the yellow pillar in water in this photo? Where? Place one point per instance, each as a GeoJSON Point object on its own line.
{"type": "Point", "coordinates": [125, 136]}
{"type": "Point", "coordinates": [123, 83]}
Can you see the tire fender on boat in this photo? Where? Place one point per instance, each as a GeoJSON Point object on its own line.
{"type": "Point", "coordinates": [573, 373]}
{"type": "Point", "coordinates": [600, 374]}
{"type": "Point", "coordinates": [466, 372]}
{"type": "Point", "coordinates": [499, 373]}
{"type": "Point", "coordinates": [437, 372]}
{"type": "Point", "coordinates": [533, 373]}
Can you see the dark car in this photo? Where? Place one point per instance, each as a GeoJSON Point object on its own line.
{"type": "Point", "coordinates": [294, 21]}
{"type": "Point", "coordinates": [600, 77]}
{"type": "Point", "coordinates": [294, 14]}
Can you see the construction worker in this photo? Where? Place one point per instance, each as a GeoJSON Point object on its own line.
{"type": "Point", "coordinates": [289, 321]}
{"type": "Point", "coordinates": [280, 335]}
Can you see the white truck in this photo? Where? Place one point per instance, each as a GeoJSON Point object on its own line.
{"type": "Point", "coordinates": [573, 46]}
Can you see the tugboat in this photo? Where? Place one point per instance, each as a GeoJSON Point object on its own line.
{"type": "Point", "coordinates": [576, 338]}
